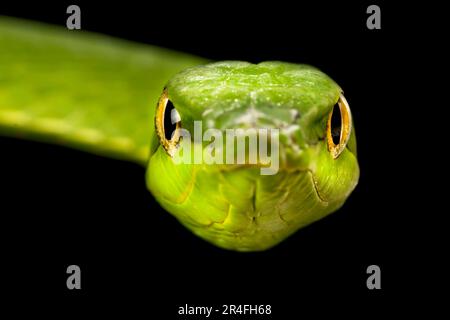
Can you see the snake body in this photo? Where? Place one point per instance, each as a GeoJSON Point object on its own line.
{"type": "Point", "coordinates": [100, 94]}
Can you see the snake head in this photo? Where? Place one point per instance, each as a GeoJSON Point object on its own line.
{"type": "Point", "coordinates": [296, 112]}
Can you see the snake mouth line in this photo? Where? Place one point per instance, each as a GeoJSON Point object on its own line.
{"type": "Point", "coordinates": [191, 185]}
{"type": "Point", "coordinates": [316, 188]}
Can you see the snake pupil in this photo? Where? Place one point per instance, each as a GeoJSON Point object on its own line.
{"type": "Point", "coordinates": [336, 122]}
{"type": "Point", "coordinates": [169, 127]}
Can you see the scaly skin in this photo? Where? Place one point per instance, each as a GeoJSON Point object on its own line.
{"type": "Point", "coordinates": [82, 90]}
{"type": "Point", "coordinates": [99, 94]}
{"type": "Point", "coordinates": [234, 206]}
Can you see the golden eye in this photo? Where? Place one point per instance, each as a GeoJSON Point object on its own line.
{"type": "Point", "coordinates": [168, 124]}
{"type": "Point", "coordinates": [339, 127]}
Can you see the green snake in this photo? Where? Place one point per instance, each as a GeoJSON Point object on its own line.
{"type": "Point", "coordinates": [110, 97]}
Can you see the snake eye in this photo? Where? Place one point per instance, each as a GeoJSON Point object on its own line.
{"type": "Point", "coordinates": [168, 124]}
{"type": "Point", "coordinates": [339, 127]}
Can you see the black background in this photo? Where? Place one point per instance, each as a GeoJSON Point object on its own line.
{"type": "Point", "coordinates": [63, 207]}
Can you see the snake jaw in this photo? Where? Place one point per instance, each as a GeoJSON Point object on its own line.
{"type": "Point", "coordinates": [316, 188]}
